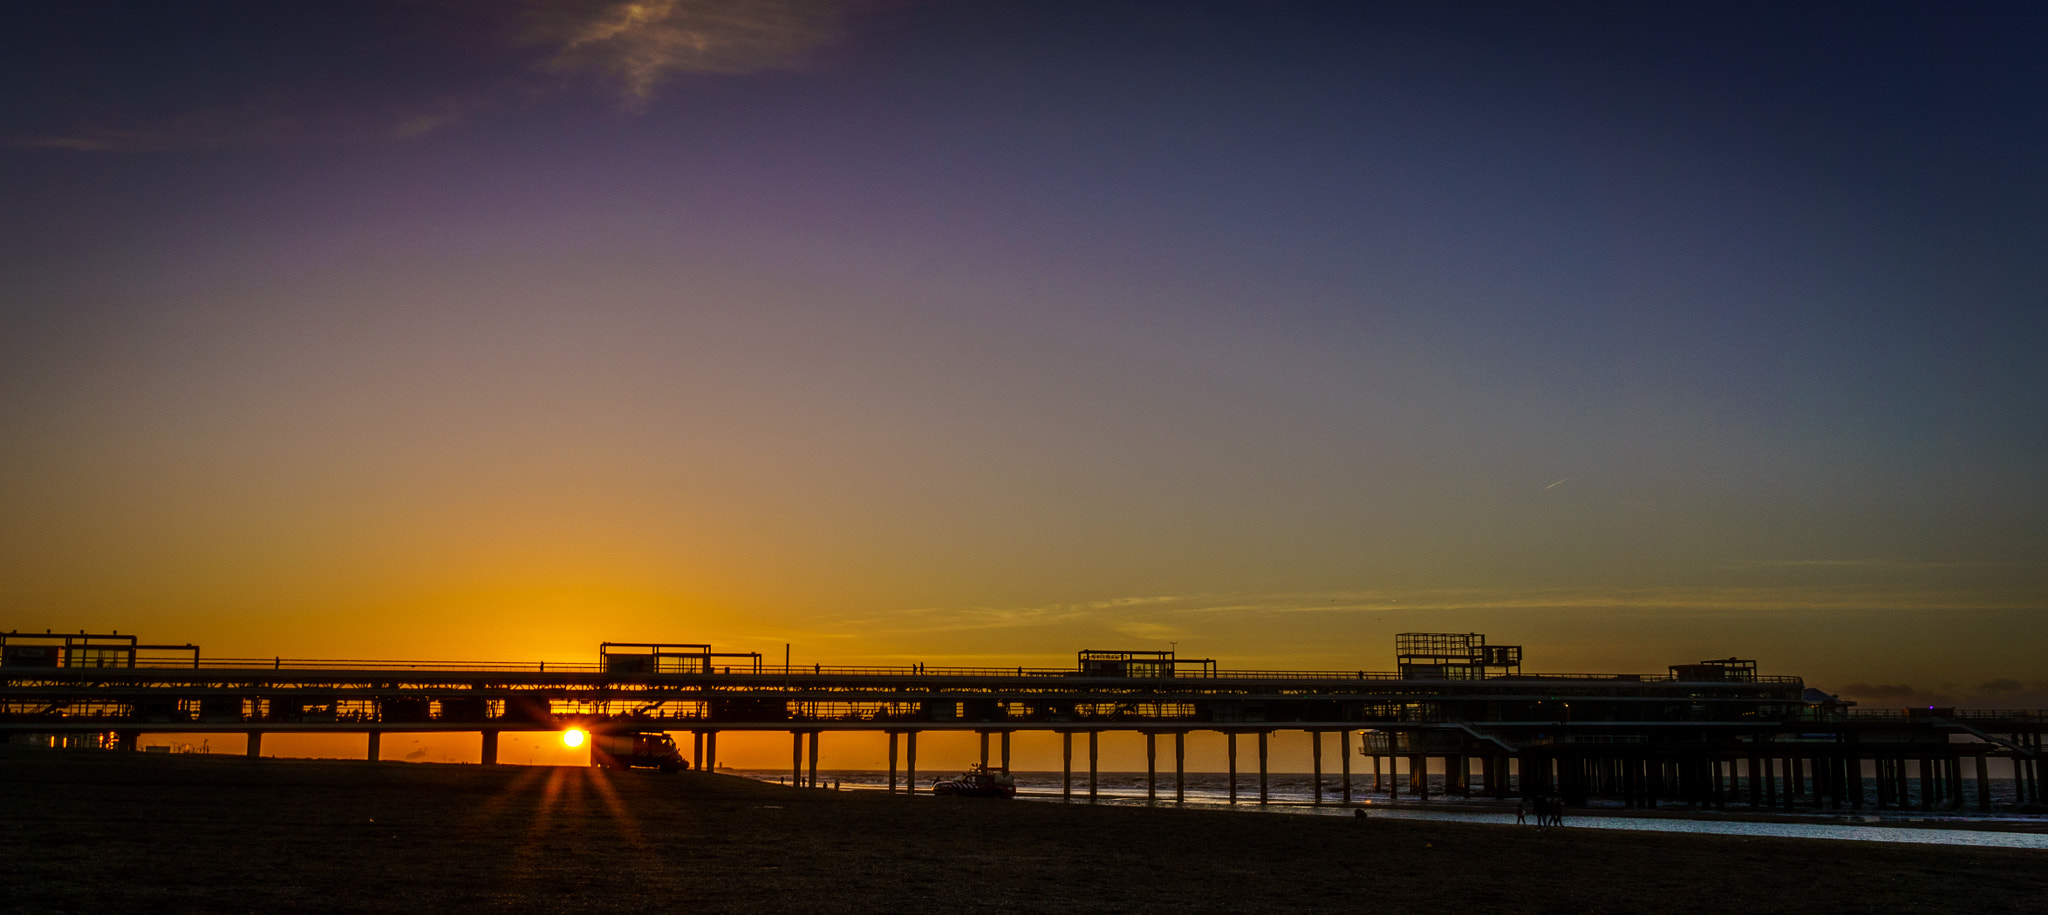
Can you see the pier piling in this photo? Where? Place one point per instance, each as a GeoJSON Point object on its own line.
{"type": "Point", "coordinates": [1230, 751]}
{"type": "Point", "coordinates": [796, 758]}
{"type": "Point", "coordinates": [1315, 755]}
{"type": "Point", "coordinates": [1344, 761]}
{"type": "Point", "coordinates": [1094, 756]}
{"type": "Point", "coordinates": [1262, 765]}
{"type": "Point", "coordinates": [1067, 764]}
{"type": "Point", "coordinates": [816, 737]}
{"type": "Point", "coordinates": [1180, 766]}
{"type": "Point", "coordinates": [1151, 766]}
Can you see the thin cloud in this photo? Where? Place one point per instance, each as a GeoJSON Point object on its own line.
{"type": "Point", "coordinates": [639, 44]}
{"type": "Point", "coordinates": [1147, 615]}
{"type": "Point", "coordinates": [928, 620]}
{"type": "Point", "coordinates": [267, 124]}
{"type": "Point", "coordinates": [1697, 600]}
{"type": "Point", "coordinates": [198, 130]}
{"type": "Point", "coordinates": [1867, 563]}
{"type": "Point", "coordinates": [1154, 632]}
{"type": "Point", "coordinates": [1997, 693]}
{"type": "Point", "coordinates": [508, 54]}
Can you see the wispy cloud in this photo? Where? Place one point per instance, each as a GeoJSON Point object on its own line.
{"type": "Point", "coordinates": [1663, 600]}
{"type": "Point", "coordinates": [1163, 616]}
{"type": "Point", "coordinates": [924, 620]}
{"type": "Point", "coordinates": [638, 44]}
{"type": "Point", "coordinates": [505, 53]}
{"type": "Point", "coordinates": [1997, 693]}
{"type": "Point", "coordinates": [1151, 632]}
{"type": "Point", "coordinates": [1867, 563]}
{"type": "Point", "coordinates": [262, 124]}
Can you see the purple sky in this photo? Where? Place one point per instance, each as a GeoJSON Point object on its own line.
{"type": "Point", "coordinates": [993, 331]}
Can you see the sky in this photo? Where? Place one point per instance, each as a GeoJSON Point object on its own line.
{"type": "Point", "coordinates": [983, 333]}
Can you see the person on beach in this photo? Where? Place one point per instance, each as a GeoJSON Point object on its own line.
{"type": "Point", "coordinates": [1521, 811]}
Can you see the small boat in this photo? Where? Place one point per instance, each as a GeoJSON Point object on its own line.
{"type": "Point", "coordinates": [980, 781]}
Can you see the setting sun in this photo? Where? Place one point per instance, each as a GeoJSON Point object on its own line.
{"type": "Point", "coordinates": [572, 738]}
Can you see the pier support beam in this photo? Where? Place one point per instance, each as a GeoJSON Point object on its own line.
{"type": "Point", "coordinates": [490, 748]}
{"type": "Point", "coordinates": [1006, 751]}
{"type": "Point", "coordinates": [815, 738]}
{"type": "Point", "coordinates": [1315, 755]}
{"type": "Point", "coordinates": [1262, 765]}
{"type": "Point", "coordinates": [1067, 764]}
{"type": "Point", "coordinates": [984, 747]}
{"type": "Point", "coordinates": [1983, 785]}
{"type": "Point", "coordinates": [255, 744]}
{"type": "Point", "coordinates": [1151, 766]}
{"type": "Point", "coordinates": [894, 738]}
{"type": "Point", "coordinates": [1094, 756]}
{"type": "Point", "coordinates": [697, 749]}
{"type": "Point", "coordinates": [795, 758]}
{"type": "Point", "coordinates": [1856, 781]}
{"type": "Point", "coordinates": [1180, 766]}
{"type": "Point", "coordinates": [910, 762]}
{"type": "Point", "coordinates": [376, 744]}
{"type": "Point", "coordinates": [2031, 782]}
{"type": "Point", "coordinates": [1230, 750]}
{"type": "Point", "coordinates": [1344, 761]}
{"type": "Point", "coordinates": [711, 751]}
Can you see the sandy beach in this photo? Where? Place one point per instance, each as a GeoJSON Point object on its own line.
{"type": "Point", "coordinates": [107, 832]}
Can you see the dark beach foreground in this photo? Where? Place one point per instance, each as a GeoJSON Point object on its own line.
{"type": "Point", "coordinates": [109, 832]}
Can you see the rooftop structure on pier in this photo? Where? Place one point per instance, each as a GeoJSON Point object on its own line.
{"type": "Point", "coordinates": [85, 649]}
{"type": "Point", "coordinates": [1096, 663]}
{"type": "Point", "coordinates": [1454, 656]}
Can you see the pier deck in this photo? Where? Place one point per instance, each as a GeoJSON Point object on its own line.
{"type": "Point", "coordinates": [1704, 734]}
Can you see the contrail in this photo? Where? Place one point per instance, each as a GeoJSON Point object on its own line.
{"type": "Point", "coordinates": [1554, 485]}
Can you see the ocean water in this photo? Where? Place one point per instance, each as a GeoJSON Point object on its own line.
{"type": "Point", "coordinates": [1294, 793]}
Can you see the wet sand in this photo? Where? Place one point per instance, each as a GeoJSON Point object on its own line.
{"type": "Point", "coordinates": [111, 832]}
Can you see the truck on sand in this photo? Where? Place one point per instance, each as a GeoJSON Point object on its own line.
{"type": "Point", "coordinates": [636, 750]}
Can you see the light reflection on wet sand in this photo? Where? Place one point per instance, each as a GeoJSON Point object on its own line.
{"type": "Point", "coordinates": [1289, 794]}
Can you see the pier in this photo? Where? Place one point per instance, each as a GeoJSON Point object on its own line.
{"type": "Point", "coordinates": [1702, 734]}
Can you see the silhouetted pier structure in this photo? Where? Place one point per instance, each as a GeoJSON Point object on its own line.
{"type": "Point", "coordinates": [1705, 734]}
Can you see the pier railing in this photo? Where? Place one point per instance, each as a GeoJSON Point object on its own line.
{"type": "Point", "coordinates": [1957, 714]}
{"type": "Point", "coordinates": [835, 670]}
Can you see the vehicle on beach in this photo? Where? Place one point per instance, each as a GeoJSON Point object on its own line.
{"type": "Point", "coordinates": [979, 781]}
{"type": "Point", "coordinates": [636, 750]}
